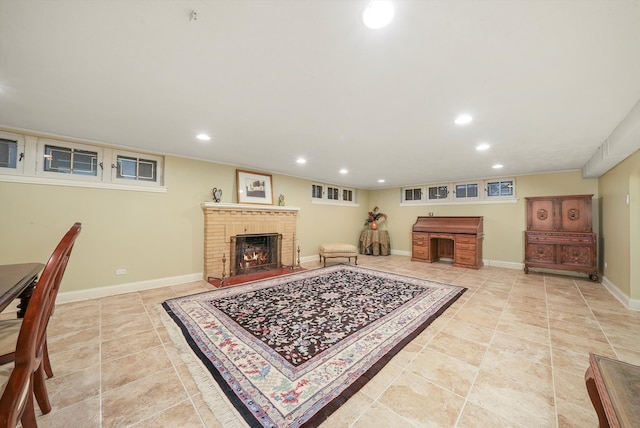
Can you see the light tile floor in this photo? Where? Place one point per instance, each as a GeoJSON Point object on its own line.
{"type": "Point", "coordinates": [511, 352]}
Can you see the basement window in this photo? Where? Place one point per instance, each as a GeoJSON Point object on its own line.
{"type": "Point", "coordinates": [11, 153]}
{"type": "Point", "coordinates": [39, 160]}
{"type": "Point", "coordinates": [333, 195]}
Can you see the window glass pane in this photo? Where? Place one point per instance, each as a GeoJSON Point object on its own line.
{"type": "Point", "coordinates": [126, 168]}
{"type": "Point", "coordinates": [70, 161]}
{"type": "Point", "coordinates": [332, 193]}
{"type": "Point", "coordinates": [438, 192]}
{"type": "Point", "coordinates": [132, 168]}
{"type": "Point", "coordinates": [57, 159]}
{"type": "Point", "coordinates": [347, 195]}
{"type": "Point", "coordinates": [493, 189]}
{"type": "Point", "coordinates": [500, 188]}
{"type": "Point", "coordinates": [8, 153]}
{"type": "Point", "coordinates": [413, 194]}
{"type": "Point", "coordinates": [316, 191]}
{"type": "Point", "coordinates": [506, 188]}
{"type": "Point", "coordinates": [408, 195]}
{"type": "Point", "coordinates": [472, 190]}
{"type": "Point", "coordinates": [467, 190]}
{"type": "Point", "coordinates": [461, 191]}
{"type": "Point", "coordinates": [84, 162]}
{"type": "Point", "coordinates": [147, 170]}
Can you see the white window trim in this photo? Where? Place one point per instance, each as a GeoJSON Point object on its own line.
{"type": "Point", "coordinates": [467, 199]}
{"type": "Point", "coordinates": [414, 201]}
{"type": "Point", "coordinates": [40, 161]}
{"type": "Point", "coordinates": [19, 139]}
{"type": "Point", "coordinates": [32, 165]}
{"type": "Point", "coordinates": [497, 180]}
{"type": "Point", "coordinates": [339, 202]}
{"type": "Point", "coordinates": [482, 199]}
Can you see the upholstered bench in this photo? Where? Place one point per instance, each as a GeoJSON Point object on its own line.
{"type": "Point", "coordinates": [338, 250]}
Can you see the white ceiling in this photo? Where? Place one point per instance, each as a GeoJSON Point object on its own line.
{"type": "Point", "coordinates": [546, 81]}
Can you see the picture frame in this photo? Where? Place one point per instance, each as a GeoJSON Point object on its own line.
{"type": "Point", "coordinates": [254, 187]}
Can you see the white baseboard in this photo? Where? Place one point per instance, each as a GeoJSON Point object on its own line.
{"type": "Point", "coordinates": [627, 301]}
{"type": "Point", "coordinates": [506, 265]}
{"type": "Point", "coordinates": [95, 293]}
{"type": "Point", "coordinates": [400, 253]}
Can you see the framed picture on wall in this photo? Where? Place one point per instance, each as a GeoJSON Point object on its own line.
{"type": "Point", "coordinates": [254, 187]}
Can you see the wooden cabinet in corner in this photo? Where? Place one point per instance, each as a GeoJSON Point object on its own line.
{"type": "Point", "coordinates": [559, 235]}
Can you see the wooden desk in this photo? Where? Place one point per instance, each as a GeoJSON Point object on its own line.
{"type": "Point", "coordinates": [375, 242]}
{"type": "Point", "coordinates": [456, 238]}
{"type": "Point", "coordinates": [614, 389]}
{"type": "Point", "coordinates": [18, 281]}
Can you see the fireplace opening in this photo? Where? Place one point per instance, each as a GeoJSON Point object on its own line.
{"type": "Point", "coordinates": [254, 252]}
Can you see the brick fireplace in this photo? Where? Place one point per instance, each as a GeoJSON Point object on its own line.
{"type": "Point", "coordinates": [223, 222]}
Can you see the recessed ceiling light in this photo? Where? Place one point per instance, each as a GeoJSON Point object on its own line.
{"type": "Point", "coordinates": [482, 146]}
{"type": "Point", "coordinates": [203, 137]}
{"type": "Point", "coordinates": [301, 161]}
{"type": "Point", "coordinates": [497, 166]}
{"type": "Point", "coordinates": [381, 180]}
{"type": "Point", "coordinates": [463, 119]}
{"type": "Point", "coordinates": [343, 171]}
{"type": "Point", "coordinates": [378, 14]}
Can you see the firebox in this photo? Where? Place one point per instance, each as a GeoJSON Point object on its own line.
{"type": "Point", "coordinates": [254, 252]}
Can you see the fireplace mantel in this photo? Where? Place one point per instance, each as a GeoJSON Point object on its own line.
{"type": "Point", "coordinates": [249, 207]}
{"type": "Point", "coordinates": [224, 221]}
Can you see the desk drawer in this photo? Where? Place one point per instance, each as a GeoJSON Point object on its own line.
{"type": "Point", "coordinates": [465, 239]}
{"type": "Point", "coordinates": [465, 247]}
{"type": "Point", "coordinates": [420, 253]}
{"type": "Point", "coordinates": [465, 257]}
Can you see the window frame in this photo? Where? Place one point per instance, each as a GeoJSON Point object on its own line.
{"type": "Point", "coordinates": [501, 180]}
{"type": "Point", "coordinates": [337, 190]}
{"type": "Point", "coordinates": [412, 189]}
{"type": "Point", "coordinates": [478, 186]}
{"type": "Point", "coordinates": [20, 153]}
{"type": "Point", "coordinates": [452, 197]}
{"type": "Point", "coordinates": [31, 167]}
{"type": "Point", "coordinates": [139, 156]}
{"type": "Point", "coordinates": [41, 161]}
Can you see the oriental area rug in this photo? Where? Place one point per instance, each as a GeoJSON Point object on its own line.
{"type": "Point", "coordinates": [288, 351]}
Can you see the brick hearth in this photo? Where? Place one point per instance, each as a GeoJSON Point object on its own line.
{"type": "Point", "coordinates": [222, 221]}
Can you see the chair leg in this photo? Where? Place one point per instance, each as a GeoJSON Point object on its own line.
{"type": "Point", "coordinates": [28, 417]}
{"type": "Point", "coordinates": [40, 390]}
{"type": "Point", "coordinates": [46, 361]}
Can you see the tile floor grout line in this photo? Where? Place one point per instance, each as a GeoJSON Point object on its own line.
{"type": "Point", "coordinates": [598, 321]}
{"type": "Point", "coordinates": [553, 371]}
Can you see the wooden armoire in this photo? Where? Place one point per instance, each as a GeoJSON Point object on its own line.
{"type": "Point", "coordinates": [559, 234]}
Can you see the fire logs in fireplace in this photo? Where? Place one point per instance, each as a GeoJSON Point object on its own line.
{"type": "Point", "coordinates": [255, 251]}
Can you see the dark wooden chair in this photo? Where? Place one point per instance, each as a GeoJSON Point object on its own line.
{"type": "Point", "coordinates": [27, 379]}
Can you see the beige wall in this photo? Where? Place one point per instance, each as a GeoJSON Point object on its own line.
{"type": "Point", "coordinates": [151, 235]}
{"type": "Point", "coordinates": [620, 225]}
{"type": "Point", "coordinates": [160, 235]}
{"type": "Point", "coordinates": [504, 223]}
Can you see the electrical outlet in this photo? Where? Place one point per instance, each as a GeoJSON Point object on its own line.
{"type": "Point", "coordinates": [121, 271]}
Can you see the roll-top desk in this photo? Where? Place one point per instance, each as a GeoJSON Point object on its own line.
{"type": "Point", "coordinates": [456, 238]}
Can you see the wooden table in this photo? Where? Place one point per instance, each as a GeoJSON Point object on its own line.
{"type": "Point", "coordinates": [375, 242]}
{"type": "Point", "coordinates": [614, 389]}
{"type": "Point", "coordinates": [18, 281]}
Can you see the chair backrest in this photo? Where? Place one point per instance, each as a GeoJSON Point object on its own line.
{"type": "Point", "coordinates": [29, 347]}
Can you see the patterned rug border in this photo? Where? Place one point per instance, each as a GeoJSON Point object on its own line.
{"type": "Point", "coordinates": [229, 410]}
